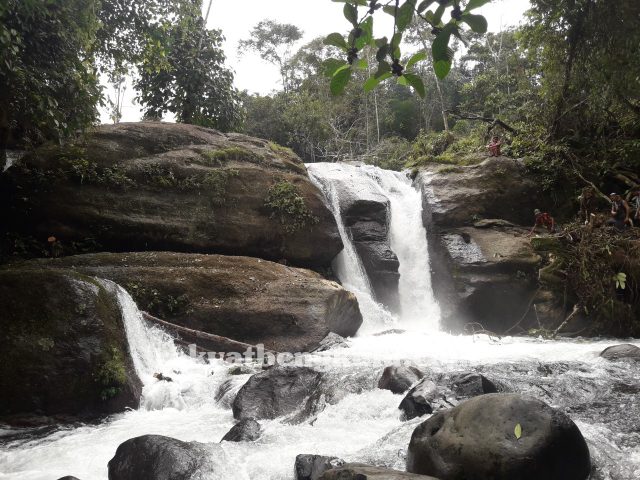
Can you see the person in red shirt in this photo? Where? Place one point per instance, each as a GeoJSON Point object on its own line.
{"type": "Point", "coordinates": [543, 220]}
{"type": "Point", "coordinates": [494, 146]}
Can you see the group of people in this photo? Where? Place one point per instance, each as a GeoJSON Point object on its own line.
{"type": "Point", "coordinates": [624, 214]}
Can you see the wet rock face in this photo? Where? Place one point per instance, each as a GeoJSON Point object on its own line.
{"type": "Point", "coordinates": [280, 391]}
{"type": "Point", "coordinates": [479, 439]}
{"type": "Point", "coordinates": [621, 352]}
{"type": "Point", "coordinates": [399, 379]}
{"type": "Point", "coordinates": [246, 430]}
{"type": "Point", "coordinates": [156, 457]}
{"type": "Point", "coordinates": [311, 467]}
{"type": "Point", "coordinates": [479, 218]}
{"type": "Point", "coordinates": [246, 299]}
{"type": "Point", "coordinates": [65, 353]}
{"type": "Point", "coordinates": [160, 186]}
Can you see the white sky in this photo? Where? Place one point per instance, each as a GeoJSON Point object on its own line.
{"type": "Point", "coordinates": [315, 17]}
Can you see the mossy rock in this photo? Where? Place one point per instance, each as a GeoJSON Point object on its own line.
{"type": "Point", "coordinates": [546, 244]}
{"type": "Point", "coordinates": [64, 346]}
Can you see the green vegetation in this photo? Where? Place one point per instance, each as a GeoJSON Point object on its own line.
{"type": "Point", "coordinates": [111, 374]}
{"type": "Point", "coordinates": [220, 156]}
{"type": "Point", "coordinates": [289, 207]}
{"type": "Point", "coordinates": [151, 300]}
{"type": "Point", "coordinates": [215, 184]}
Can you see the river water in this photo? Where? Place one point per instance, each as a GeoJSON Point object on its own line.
{"type": "Point", "coordinates": [603, 398]}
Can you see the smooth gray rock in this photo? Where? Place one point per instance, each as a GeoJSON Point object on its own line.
{"type": "Point", "coordinates": [156, 457]}
{"type": "Point", "coordinates": [366, 472]}
{"type": "Point", "coordinates": [620, 352]}
{"type": "Point", "coordinates": [399, 379]}
{"type": "Point", "coordinates": [246, 430]}
{"type": "Point", "coordinates": [477, 440]}
{"type": "Point", "coordinates": [277, 392]}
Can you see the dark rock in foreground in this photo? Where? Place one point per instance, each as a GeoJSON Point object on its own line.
{"type": "Point", "coordinates": [399, 379]}
{"type": "Point", "coordinates": [64, 348]}
{"type": "Point", "coordinates": [246, 430]}
{"type": "Point", "coordinates": [478, 439]}
{"type": "Point", "coordinates": [68, 477]}
{"type": "Point", "coordinates": [365, 472]}
{"type": "Point", "coordinates": [620, 352]}
{"type": "Point", "coordinates": [425, 398]}
{"type": "Point", "coordinates": [311, 467]}
{"type": "Point", "coordinates": [156, 457]}
{"type": "Point", "coordinates": [277, 392]}
{"type": "Point", "coordinates": [170, 187]}
{"type": "Point", "coordinates": [246, 299]}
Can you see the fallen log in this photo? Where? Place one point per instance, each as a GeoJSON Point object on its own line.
{"type": "Point", "coordinates": [204, 341]}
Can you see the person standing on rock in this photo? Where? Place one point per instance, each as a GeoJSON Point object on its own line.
{"type": "Point", "coordinates": [543, 220]}
{"type": "Point", "coordinates": [620, 212]}
{"type": "Point", "coordinates": [494, 146]}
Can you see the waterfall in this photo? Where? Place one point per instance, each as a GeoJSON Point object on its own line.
{"type": "Point", "coordinates": [407, 236]}
{"type": "Point", "coordinates": [153, 351]}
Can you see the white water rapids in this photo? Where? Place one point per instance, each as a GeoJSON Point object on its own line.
{"type": "Point", "coordinates": [365, 425]}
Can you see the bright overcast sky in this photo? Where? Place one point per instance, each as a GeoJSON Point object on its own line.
{"type": "Point", "coordinates": [315, 17]}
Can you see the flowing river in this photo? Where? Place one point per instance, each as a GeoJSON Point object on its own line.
{"type": "Point", "coordinates": [602, 397]}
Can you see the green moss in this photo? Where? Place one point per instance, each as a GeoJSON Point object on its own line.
{"type": "Point", "coordinates": [289, 207]}
{"type": "Point", "coordinates": [449, 170]}
{"type": "Point", "coordinates": [111, 373]}
{"type": "Point", "coordinates": [215, 184]}
{"type": "Point", "coordinates": [219, 156]}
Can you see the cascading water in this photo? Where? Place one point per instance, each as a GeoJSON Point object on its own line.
{"type": "Point", "coordinates": [364, 425]}
{"type": "Point", "coordinates": [407, 236]}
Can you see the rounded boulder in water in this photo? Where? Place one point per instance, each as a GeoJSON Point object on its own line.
{"type": "Point", "coordinates": [499, 437]}
{"type": "Point", "coordinates": [399, 379]}
{"type": "Point", "coordinates": [625, 351]}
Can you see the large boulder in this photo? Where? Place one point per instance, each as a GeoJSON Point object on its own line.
{"type": "Point", "coordinates": [65, 353]}
{"type": "Point", "coordinates": [246, 299]}
{"type": "Point", "coordinates": [366, 472]}
{"type": "Point", "coordinates": [156, 457]}
{"type": "Point", "coordinates": [166, 186]}
{"type": "Point", "coordinates": [365, 212]}
{"type": "Point", "coordinates": [497, 188]}
{"type": "Point", "coordinates": [279, 391]}
{"type": "Point", "coordinates": [398, 379]}
{"type": "Point", "coordinates": [621, 352]}
{"type": "Point", "coordinates": [499, 437]}
{"type": "Point", "coordinates": [478, 219]}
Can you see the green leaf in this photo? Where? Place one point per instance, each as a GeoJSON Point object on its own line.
{"type": "Point", "coordinates": [331, 66]}
{"type": "Point", "coordinates": [477, 22]}
{"type": "Point", "coordinates": [374, 81]}
{"type": "Point", "coordinates": [518, 431]}
{"type": "Point", "coordinates": [418, 57]}
{"type": "Point", "coordinates": [351, 13]}
{"type": "Point", "coordinates": [405, 15]}
{"type": "Point", "coordinates": [442, 68]}
{"type": "Point", "coordinates": [621, 280]}
{"type": "Point", "coordinates": [475, 4]}
{"type": "Point", "coordinates": [382, 52]}
{"type": "Point", "coordinates": [416, 82]}
{"type": "Point", "coordinates": [361, 64]}
{"type": "Point", "coordinates": [355, 2]}
{"type": "Point", "coordinates": [367, 33]}
{"type": "Point", "coordinates": [424, 5]}
{"type": "Point", "coordinates": [337, 40]}
{"type": "Point", "coordinates": [339, 81]}
{"type": "Point", "coordinates": [440, 45]}
{"type": "Point", "coordinates": [402, 81]}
